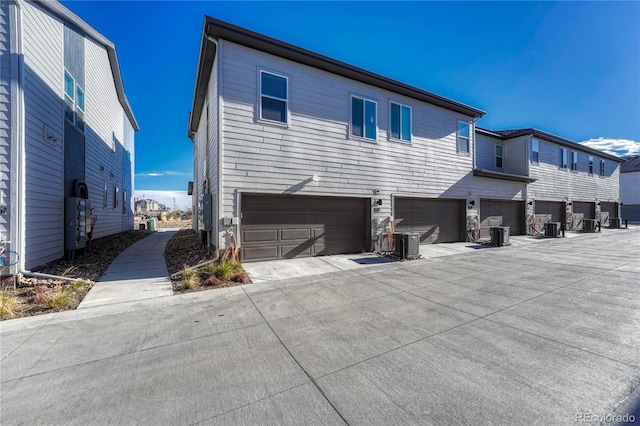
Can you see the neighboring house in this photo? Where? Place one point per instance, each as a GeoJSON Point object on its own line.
{"type": "Point", "coordinates": [630, 189]}
{"type": "Point", "coordinates": [297, 154]}
{"type": "Point", "coordinates": [562, 181]}
{"type": "Point", "coordinates": [67, 131]}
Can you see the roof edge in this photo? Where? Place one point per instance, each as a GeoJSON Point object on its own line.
{"type": "Point", "coordinates": [217, 29]}
{"type": "Point", "coordinates": [514, 133]}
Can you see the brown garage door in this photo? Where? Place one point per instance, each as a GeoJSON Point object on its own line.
{"type": "Point", "coordinates": [287, 226]}
{"type": "Point", "coordinates": [587, 210]}
{"type": "Point", "coordinates": [501, 213]}
{"type": "Point", "coordinates": [437, 220]}
{"type": "Point", "coordinates": [608, 210]}
{"type": "Point", "coordinates": [549, 211]}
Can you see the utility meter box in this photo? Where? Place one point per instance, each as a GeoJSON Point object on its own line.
{"type": "Point", "coordinates": [206, 212]}
{"type": "Point", "coordinates": [76, 223]}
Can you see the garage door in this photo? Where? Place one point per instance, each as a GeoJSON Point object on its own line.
{"type": "Point", "coordinates": [549, 211]}
{"type": "Point", "coordinates": [501, 213]}
{"type": "Point", "coordinates": [587, 210]}
{"type": "Point", "coordinates": [437, 220]}
{"type": "Point", "coordinates": [287, 226]}
{"type": "Point", "coordinates": [608, 210]}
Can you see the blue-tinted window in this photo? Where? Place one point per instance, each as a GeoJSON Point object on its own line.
{"type": "Point", "coordinates": [80, 98]}
{"type": "Point", "coordinates": [363, 118]}
{"type": "Point", "coordinates": [602, 168]}
{"type": "Point", "coordinates": [564, 161]}
{"type": "Point", "coordinates": [591, 164]}
{"type": "Point", "coordinates": [400, 122]}
{"type": "Point", "coordinates": [535, 153]}
{"type": "Point", "coordinates": [574, 160]}
{"type": "Point", "coordinates": [69, 85]}
{"type": "Point", "coordinates": [499, 156]}
{"type": "Point", "coordinates": [463, 136]}
{"type": "Point", "coordinates": [273, 97]}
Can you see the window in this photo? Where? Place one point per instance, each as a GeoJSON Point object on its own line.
{"type": "Point", "coordinates": [564, 161]}
{"type": "Point", "coordinates": [602, 168]}
{"type": "Point", "coordinates": [124, 201]}
{"type": "Point", "coordinates": [400, 122]}
{"type": "Point", "coordinates": [363, 118]}
{"type": "Point", "coordinates": [73, 102]}
{"type": "Point", "coordinates": [535, 153]}
{"type": "Point", "coordinates": [591, 164]}
{"type": "Point", "coordinates": [114, 141]}
{"type": "Point", "coordinates": [105, 197]}
{"type": "Point", "coordinates": [574, 160]}
{"type": "Point", "coordinates": [499, 156]}
{"type": "Point", "coordinates": [115, 196]}
{"type": "Point", "coordinates": [463, 136]}
{"type": "Point", "coordinates": [273, 97]}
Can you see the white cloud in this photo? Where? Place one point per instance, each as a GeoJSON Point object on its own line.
{"type": "Point", "coordinates": [618, 147]}
{"type": "Point", "coordinates": [182, 200]}
{"type": "Point", "coordinates": [159, 174]}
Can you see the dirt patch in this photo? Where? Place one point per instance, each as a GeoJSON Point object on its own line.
{"type": "Point", "coordinates": [35, 296]}
{"type": "Point", "coordinates": [185, 251]}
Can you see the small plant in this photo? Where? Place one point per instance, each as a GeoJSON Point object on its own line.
{"type": "Point", "coordinates": [76, 285]}
{"type": "Point", "coordinates": [224, 271]}
{"type": "Point", "coordinates": [59, 297]}
{"type": "Point", "coordinates": [190, 278]}
{"type": "Point", "coordinates": [9, 305]}
{"type": "Point", "coordinates": [41, 294]}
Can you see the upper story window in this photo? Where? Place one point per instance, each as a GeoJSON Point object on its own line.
{"type": "Point", "coordinates": [363, 118]}
{"type": "Point", "coordinates": [400, 122]}
{"type": "Point", "coordinates": [274, 97]}
{"type": "Point", "coordinates": [574, 160]}
{"type": "Point", "coordinates": [564, 161]}
{"type": "Point", "coordinates": [464, 136]}
{"type": "Point", "coordinates": [499, 156]}
{"type": "Point", "coordinates": [73, 101]}
{"type": "Point", "coordinates": [535, 151]}
{"type": "Point", "coordinates": [602, 168]}
{"type": "Point", "coordinates": [591, 164]}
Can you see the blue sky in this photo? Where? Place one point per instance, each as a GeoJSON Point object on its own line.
{"type": "Point", "coordinates": [569, 68]}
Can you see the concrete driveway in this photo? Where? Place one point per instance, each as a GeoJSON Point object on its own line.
{"type": "Point", "coordinates": [545, 333]}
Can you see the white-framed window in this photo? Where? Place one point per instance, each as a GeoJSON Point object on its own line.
{"type": "Point", "coordinates": [602, 168]}
{"type": "Point", "coordinates": [116, 196]}
{"type": "Point", "coordinates": [274, 97]}
{"type": "Point", "coordinates": [591, 164]}
{"type": "Point", "coordinates": [73, 102]}
{"type": "Point", "coordinates": [124, 201]}
{"type": "Point", "coordinates": [464, 137]}
{"type": "Point", "coordinates": [574, 160]}
{"type": "Point", "coordinates": [564, 158]}
{"type": "Point", "coordinates": [535, 151]}
{"type": "Point", "coordinates": [364, 118]}
{"type": "Point", "coordinates": [114, 141]}
{"type": "Point", "coordinates": [105, 196]}
{"type": "Point", "coordinates": [399, 122]}
{"type": "Point", "coordinates": [499, 156]}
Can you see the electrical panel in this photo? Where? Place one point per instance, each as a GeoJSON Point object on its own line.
{"type": "Point", "coordinates": [205, 212]}
{"type": "Point", "coordinates": [76, 223]}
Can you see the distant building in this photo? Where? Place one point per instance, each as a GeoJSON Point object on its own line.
{"type": "Point", "coordinates": [66, 133]}
{"type": "Point", "coordinates": [630, 188]}
{"type": "Point", "coordinates": [146, 206]}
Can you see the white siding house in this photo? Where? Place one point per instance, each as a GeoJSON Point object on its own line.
{"type": "Point", "coordinates": [69, 127]}
{"type": "Point", "coordinates": [296, 154]}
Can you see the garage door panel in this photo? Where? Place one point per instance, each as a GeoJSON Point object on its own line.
{"type": "Point", "coordinates": [303, 225]}
{"type": "Point", "coordinates": [260, 235]}
{"type": "Point", "coordinates": [586, 209]}
{"type": "Point", "coordinates": [295, 234]}
{"type": "Point", "coordinates": [260, 252]}
{"type": "Point", "coordinates": [289, 251]}
{"type": "Point", "coordinates": [548, 211]}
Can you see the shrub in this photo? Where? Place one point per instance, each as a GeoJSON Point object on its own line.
{"type": "Point", "coordinates": [9, 305]}
{"type": "Point", "coordinates": [241, 277]}
{"type": "Point", "coordinates": [213, 281]}
{"type": "Point", "coordinates": [76, 285]}
{"type": "Point", "coordinates": [59, 297]}
{"type": "Point", "coordinates": [190, 278]}
{"type": "Point", "coordinates": [41, 294]}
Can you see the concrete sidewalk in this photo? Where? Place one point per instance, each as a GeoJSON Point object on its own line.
{"type": "Point", "coordinates": [543, 333]}
{"type": "Point", "coordinates": [138, 273]}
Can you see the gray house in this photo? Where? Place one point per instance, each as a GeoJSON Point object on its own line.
{"type": "Point", "coordinates": [562, 181]}
{"type": "Point", "coordinates": [67, 133]}
{"type": "Point", "coordinates": [297, 154]}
